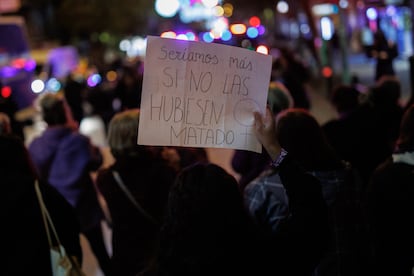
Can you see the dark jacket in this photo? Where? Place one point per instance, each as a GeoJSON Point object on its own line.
{"type": "Point", "coordinates": [134, 237]}
{"type": "Point", "coordinates": [25, 242]}
{"type": "Point", "coordinates": [391, 202]}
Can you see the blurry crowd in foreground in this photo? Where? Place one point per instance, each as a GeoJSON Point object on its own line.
{"type": "Point", "coordinates": [331, 199]}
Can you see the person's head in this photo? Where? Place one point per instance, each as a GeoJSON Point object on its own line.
{"type": "Point", "coordinates": [278, 97]}
{"type": "Point", "coordinates": [379, 37]}
{"type": "Point", "coordinates": [345, 98]}
{"type": "Point", "coordinates": [405, 140]}
{"type": "Point", "coordinates": [5, 127]}
{"type": "Point", "coordinates": [204, 193]}
{"type": "Point", "coordinates": [387, 91]}
{"type": "Point", "coordinates": [123, 133]}
{"type": "Point", "coordinates": [15, 160]}
{"type": "Point", "coordinates": [54, 109]}
{"type": "Point", "coordinates": [205, 219]}
{"type": "Point", "coordinates": [300, 134]}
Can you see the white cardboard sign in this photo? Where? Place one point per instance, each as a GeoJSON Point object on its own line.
{"type": "Point", "coordinates": [199, 94]}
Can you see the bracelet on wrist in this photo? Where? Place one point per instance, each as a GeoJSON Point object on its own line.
{"type": "Point", "coordinates": [275, 163]}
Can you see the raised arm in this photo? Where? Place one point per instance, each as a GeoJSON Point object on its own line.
{"type": "Point", "coordinates": [265, 131]}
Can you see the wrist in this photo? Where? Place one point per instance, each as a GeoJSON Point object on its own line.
{"type": "Point", "coordinates": [273, 150]}
{"type": "Point", "coordinates": [279, 158]}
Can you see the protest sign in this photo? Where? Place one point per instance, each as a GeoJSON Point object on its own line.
{"type": "Point", "coordinates": [199, 94]}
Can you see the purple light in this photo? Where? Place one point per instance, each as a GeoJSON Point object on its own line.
{"type": "Point", "coordinates": [261, 29]}
{"type": "Point", "coordinates": [30, 65]}
{"type": "Point", "coordinates": [94, 80]}
{"type": "Point", "coordinates": [391, 11]}
{"type": "Point", "coordinates": [8, 72]}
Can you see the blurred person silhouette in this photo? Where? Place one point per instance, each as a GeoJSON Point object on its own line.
{"type": "Point", "coordinates": [294, 74]}
{"type": "Point", "coordinates": [181, 157]}
{"type": "Point", "coordinates": [140, 173]}
{"type": "Point", "coordinates": [288, 208]}
{"type": "Point", "coordinates": [5, 127]}
{"type": "Point", "coordinates": [300, 134]}
{"type": "Point", "coordinates": [384, 51]}
{"type": "Point", "coordinates": [391, 202]}
{"type": "Point", "coordinates": [206, 230]}
{"type": "Point", "coordinates": [346, 100]}
{"type": "Point", "coordinates": [129, 87]}
{"type": "Point", "coordinates": [9, 107]}
{"type": "Point", "coordinates": [64, 158]}
{"type": "Point", "coordinates": [73, 91]}
{"type": "Point", "coordinates": [25, 242]}
{"type": "Point", "coordinates": [366, 135]}
{"type": "Point", "coordinates": [250, 164]}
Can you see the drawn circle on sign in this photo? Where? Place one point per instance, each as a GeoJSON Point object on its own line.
{"type": "Point", "coordinates": [243, 112]}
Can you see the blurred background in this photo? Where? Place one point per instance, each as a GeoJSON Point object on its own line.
{"type": "Point", "coordinates": [94, 51]}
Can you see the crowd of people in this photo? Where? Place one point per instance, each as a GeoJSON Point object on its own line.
{"type": "Point", "coordinates": [321, 200]}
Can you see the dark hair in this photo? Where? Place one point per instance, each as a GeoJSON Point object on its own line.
{"type": "Point", "coordinates": [387, 91]}
{"type": "Point", "coordinates": [345, 98]}
{"type": "Point", "coordinates": [405, 140]}
{"type": "Point", "coordinates": [301, 135]}
{"type": "Point", "coordinates": [53, 109]}
{"type": "Point", "coordinates": [205, 221]}
{"type": "Point", "coordinates": [15, 161]}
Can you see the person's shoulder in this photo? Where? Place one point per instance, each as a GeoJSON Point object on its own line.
{"type": "Point", "coordinates": [269, 179]}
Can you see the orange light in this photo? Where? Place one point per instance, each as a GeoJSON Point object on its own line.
{"type": "Point", "coordinates": [238, 29]}
{"type": "Point", "coordinates": [111, 76]}
{"type": "Point", "coordinates": [262, 49]}
{"type": "Point", "coordinates": [6, 91]}
{"type": "Point", "coordinates": [254, 21]}
{"type": "Point", "coordinates": [327, 72]}
{"type": "Point", "coordinates": [169, 34]}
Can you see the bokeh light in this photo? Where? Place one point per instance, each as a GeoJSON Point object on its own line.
{"type": "Point", "coordinates": [254, 21]}
{"type": "Point", "coordinates": [282, 7]}
{"type": "Point", "coordinates": [111, 76]}
{"type": "Point", "coordinates": [207, 37]}
{"type": "Point", "coordinates": [262, 49]}
{"type": "Point", "coordinates": [6, 91]}
{"type": "Point", "coordinates": [226, 35]}
{"type": "Point", "coordinates": [37, 86]}
{"type": "Point", "coordinates": [238, 29]}
{"type": "Point", "coordinates": [252, 32]}
{"type": "Point", "coordinates": [94, 80]}
{"type": "Point", "coordinates": [169, 34]}
{"type": "Point", "coordinates": [53, 85]}
{"type": "Point", "coordinates": [372, 13]}
{"type": "Point", "coordinates": [209, 3]}
{"type": "Point", "coordinates": [167, 8]}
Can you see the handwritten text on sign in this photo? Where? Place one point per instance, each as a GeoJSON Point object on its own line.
{"type": "Point", "coordinates": [201, 95]}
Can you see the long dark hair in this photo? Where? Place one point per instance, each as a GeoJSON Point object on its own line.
{"type": "Point", "coordinates": [405, 140]}
{"type": "Point", "coordinates": [205, 222]}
